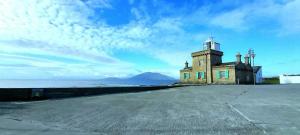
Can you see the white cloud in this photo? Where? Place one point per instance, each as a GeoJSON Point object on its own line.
{"type": "Point", "coordinates": [52, 65]}
{"type": "Point", "coordinates": [171, 43]}
{"type": "Point", "coordinates": [63, 29]}
{"type": "Point", "coordinates": [290, 18]}
{"type": "Point", "coordinates": [247, 17]}
{"type": "Point", "coordinates": [231, 20]}
{"type": "Point", "coordinates": [99, 3]}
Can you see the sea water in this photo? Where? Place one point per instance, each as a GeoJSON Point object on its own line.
{"type": "Point", "coordinates": [48, 83]}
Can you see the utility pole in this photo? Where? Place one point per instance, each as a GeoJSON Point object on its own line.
{"type": "Point", "coordinates": [249, 53]}
{"type": "Point", "coordinates": [252, 54]}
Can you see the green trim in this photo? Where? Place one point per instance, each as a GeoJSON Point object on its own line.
{"type": "Point", "coordinates": [197, 75]}
{"type": "Point", "coordinates": [226, 73]}
{"type": "Point", "coordinates": [186, 75]}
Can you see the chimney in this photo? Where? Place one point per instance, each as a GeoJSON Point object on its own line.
{"type": "Point", "coordinates": [247, 59]}
{"type": "Point", "coordinates": [238, 58]}
{"type": "Point", "coordinates": [186, 64]}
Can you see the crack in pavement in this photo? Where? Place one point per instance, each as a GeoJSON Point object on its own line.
{"type": "Point", "coordinates": [245, 117]}
{"type": "Point", "coordinates": [232, 108]}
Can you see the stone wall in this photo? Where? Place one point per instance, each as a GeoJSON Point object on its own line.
{"type": "Point", "coordinates": [244, 74]}
{"type": "Point", "coordinates": [184, 80]}
{"type": "Point", "coordinates": [244, 77]}
{"type": "Point", "coordinates": [231, 75]}
{"type": "Point", "coordinates": [209, 62]}
{"type": "Point", "coordinates": [203, 62]}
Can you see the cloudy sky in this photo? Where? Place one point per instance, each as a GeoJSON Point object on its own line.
{"type": "Point", "coordinates": [117, 38]}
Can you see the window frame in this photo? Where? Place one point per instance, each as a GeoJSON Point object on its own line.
{"type": "Point", "coordinates": [186, 76]}
{"type": "Point", "coordinates": [222, 74]}
{"type": "Point", "coordinates": [200, 75]}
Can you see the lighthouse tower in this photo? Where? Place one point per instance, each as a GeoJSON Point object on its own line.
{"type": "Point", "coordinates": [211, 44]}
{"type": "Point", "coordinates": [204, 60]}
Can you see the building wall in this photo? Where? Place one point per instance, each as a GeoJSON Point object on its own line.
{"type": "Point", "coordinates": [231, 75]}
{"type": "Point", "coordinates": [235, 76]}
{"type": "Point", "coordinates": [202, 61]}
{"type": "Point", "coordinates": [201, 64]}
{"type": "Point", "coordinates": [215, 60]}
{"type": "Point", "coordinates": [244, 76]}
{"type": "Point", "coordinates": [207, 59]}
{"type": "Point", "coordinates": [193, 77]}
{"type": "Point", "coordinates": [259, 78]}
{"type": "Point", "coordinates": [289, 79]}
{"type": "Point", "coordinates": [207, 62]}
{"type": "Point", "coordinates": [185, 80]}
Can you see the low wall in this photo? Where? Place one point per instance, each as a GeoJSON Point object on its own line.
{"type": "Point", "coordinates": [285, 79]}
{"type": "Point", "coordinates": [25, 94]}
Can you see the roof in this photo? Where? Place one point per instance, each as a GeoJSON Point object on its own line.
{"type": "Point", "coordinates": [227, 63]}
{"type": "Point", "coordinates": [242, 66]}
{"type": "Point", "coordinates": [291, 75]}
{"type": "Point", "coordinates": [210, 51]}
{"type": "Point", "coordinates": [188, 68]}
{"type": "Point", "coordinates": [256, 68]}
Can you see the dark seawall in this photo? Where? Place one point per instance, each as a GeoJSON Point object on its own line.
{"type": "Point", "coordinates": [27, 94]}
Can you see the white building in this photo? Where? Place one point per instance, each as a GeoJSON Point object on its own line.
{"type": "Point", "coordinates": [287, 79]}
{"type": "Point", "coordinates": [258, 74]}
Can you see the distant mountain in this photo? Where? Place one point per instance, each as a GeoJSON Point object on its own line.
{"type": "Point", "coordinates": [147, 78]}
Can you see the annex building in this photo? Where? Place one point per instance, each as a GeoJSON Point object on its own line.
{"type": "Point", "coordinates": [208, 68]}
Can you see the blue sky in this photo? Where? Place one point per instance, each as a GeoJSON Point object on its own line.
{"type": "Point", "coordinates": [82, 39]}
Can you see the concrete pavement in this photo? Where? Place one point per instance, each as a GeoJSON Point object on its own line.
{"type": "Point", "coordinates": [215, 109]}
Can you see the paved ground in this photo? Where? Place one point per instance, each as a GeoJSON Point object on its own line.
{"type": "Point", "coordinates": [261, 109]}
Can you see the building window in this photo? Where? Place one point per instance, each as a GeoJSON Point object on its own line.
{"type": "Point", "coordinates": [186, 75]}
{"type": "Point", "coordinates": [200, 62]}
{"type": "Point", "coordinates": [222, 74]}
{"type": "Point", "coordinates": [200, 75]}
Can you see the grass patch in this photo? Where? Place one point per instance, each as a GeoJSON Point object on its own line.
{"type": "Point", "coordinates": [271, 80]}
